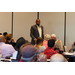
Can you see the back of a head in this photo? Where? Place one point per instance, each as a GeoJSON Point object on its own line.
{"type": "Point", "coordinates": [1, 38]}
{"type": "Point", "coordinates": [8, 36]}
{"type": "Point", "coordinates": [57, 58]}
{"type": "Point", "coordinates": [47, 37]}
{"type": "Point", "coordinates": [39, 40]}
{"type": "Point", "coordinates": [53, 35]}
{"type": "Point", "coordinates": [51, 43]}
{"type": "Point", "coordinates": [20, 42]}
{"type": "Point", "coordinates": [58, 44]}
{"type": "Point", "coordinates": [0, 33]}
{"type": "Point", "coordinates": [5, 33]}
{"type": "Point", "coordinates": [28, 52]}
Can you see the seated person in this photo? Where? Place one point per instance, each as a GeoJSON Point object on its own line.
{"type": "Point", "coordinates": [39, 45]}
{"type": "Point", "coordinates": [19, 56]}
{"type": "Point", "coordinates": [42, 58]}
{"type": "Point", "coordinates": [57, 58]}
{"type": "Point", "coordinates": [10, 40]}
{"type": "Point", "coordinates": [73, 45]}
{"type": "Point", "coordinates": [53, 36]}
{"type": "Point", "coordinates": [49, 51]}
{"type": "Point", "coordinates": [5, 33]}
{"type": "Point", "coordinates": [0, 33]}
{"type": "Point", "coordinates": [29, 53]}
{"type": "Point", "coordinates": [58, 47]}
{"type": "Point", "coordinates": [19, 43]}
{"type": "Point", "coordinates": [5, 49]}
{"type": "Point", "coordinates": [45, 42]}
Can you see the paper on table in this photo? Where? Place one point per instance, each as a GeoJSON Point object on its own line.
{"type": "Point", "coordinates": [67, 53]}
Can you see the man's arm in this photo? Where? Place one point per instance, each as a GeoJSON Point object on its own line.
{"type": "Point", "coordinates": [31, 33]}
{"type": "Point", "coordinates": [43, 32]}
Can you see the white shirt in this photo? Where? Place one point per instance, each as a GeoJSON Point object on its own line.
{"type": "Point", "coordinates": [14, 55]}
{"type": "Point", "coordinates": [40, 31]}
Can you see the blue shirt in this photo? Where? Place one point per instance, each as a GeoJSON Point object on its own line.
{"type": "Point", "coordinates": [41, 49]}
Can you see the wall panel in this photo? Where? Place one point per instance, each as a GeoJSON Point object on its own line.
{"type": "Point", "coordinates": [22, 21]}
{"type": "Point", "coordinates": [5, 22]}
{"type": "Point", "coordinates": [53, 22]}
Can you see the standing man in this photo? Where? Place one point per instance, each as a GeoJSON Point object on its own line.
{"type": "Point", "coordinates": [36, 31]}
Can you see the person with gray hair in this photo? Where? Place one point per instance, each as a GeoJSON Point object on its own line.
{"type": "Point", "coordinates": [53, 36]}
{"type": "Point", "coordinates": [47, 37]}
{"type": "Point", "coordinates": [45, 42]}
{"type": "Point", "coordinates": [58, 42]}
{"type": "Point", "coordinates": [57, 58]}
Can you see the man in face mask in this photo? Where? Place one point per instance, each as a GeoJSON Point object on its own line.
{"type": "Point", "coordinates": [36, 31]}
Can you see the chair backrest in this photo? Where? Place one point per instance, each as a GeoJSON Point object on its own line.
{"type": "Point", "coordinates": [7, 57]}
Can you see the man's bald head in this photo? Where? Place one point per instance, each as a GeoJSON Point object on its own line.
{"type": "Point", "coordinates": [38, 22]}
{"type": "Point", "coordinates": [2, 38]}
{"type": "Point", "coordinates": [57, 58]}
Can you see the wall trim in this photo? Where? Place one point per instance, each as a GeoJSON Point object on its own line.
{"type": "Point", "coordinates": [65, 29]}
{"type": "Point", "coordinates": [12, 25]}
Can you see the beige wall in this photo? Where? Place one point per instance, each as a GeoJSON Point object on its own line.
{"type": "Point", "coordinates": [53, 23]}
{"type": "Point", "coordinates": [22, 21]}
{"type": "Point", "coordinates": [5, 22]}
{"type": "Point", "coordinates": [70, 29]}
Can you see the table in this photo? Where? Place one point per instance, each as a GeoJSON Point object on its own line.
{"type": "Point", "coordinates": [48, 60]}
{"type": "Point", "coordinates": [5, 60]}
{"type": "Point", "coordinates": [71, 56]}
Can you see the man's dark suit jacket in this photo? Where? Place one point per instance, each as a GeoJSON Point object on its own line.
{"type": "Point", "coordinates": [35, 34]}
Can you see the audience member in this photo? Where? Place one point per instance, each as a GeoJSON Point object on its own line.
{"type": "Point", "coordinates": [5, 49]}
{"type": "Point", "coordinates": [73, 45]}
{"type": "Point", "coordinates": [10, 40]}
{"type": "Point", "coordinates": [50, 50]}
{"type": "Point", "coordinates": [45, 42]}
{"type": "Point", "coordinates": [0, 33]}
{"type": "Point", "coordinates": [58, 46]}
{"type": "Point", "coordinates": [53, 36]}
{"type": "Point", "coordinates": [57, 58]}
{"type": "Point", "coordinates": [5, 33]}
{"type": "Point", "coordinates": [19, 56]}
{"type": "Point", "coordinates": [39, 44]}
{"type": "Point", "coordinates": [19, 43]}
{"type": "Point", "coordinates": [29, 53]}
{"type": "Point", "coordinates": [42, 57]}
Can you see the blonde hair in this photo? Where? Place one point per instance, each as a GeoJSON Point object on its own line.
{"type": "Point", "coordinates": [58, 44]}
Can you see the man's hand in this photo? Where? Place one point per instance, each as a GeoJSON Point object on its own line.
{"type": "Point", "coordinates": [35, 40]}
